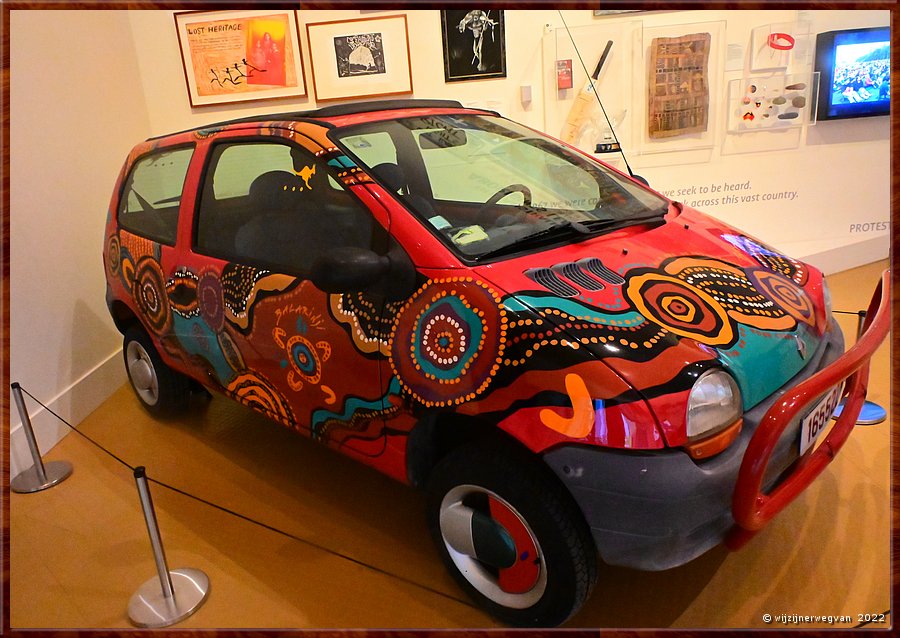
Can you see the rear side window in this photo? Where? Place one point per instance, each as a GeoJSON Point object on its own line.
{"type": "Point", "coordinates": [275, 205]}
{"type": "Point", "coordinates": [152, 195]}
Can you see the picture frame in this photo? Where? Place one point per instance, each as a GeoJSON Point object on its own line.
{"type": "Point", "coordinates": [237, 56]}
{"type": "Point", "coordinates": [469, 54]}
{"type": "Point", "coordinates": [361, 57]}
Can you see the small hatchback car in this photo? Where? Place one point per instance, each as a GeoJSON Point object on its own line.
{"type": "Point", "coordinates": [568, 362]}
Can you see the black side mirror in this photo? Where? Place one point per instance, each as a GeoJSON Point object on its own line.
{"type": "Point", "coordinates": [348, 269]}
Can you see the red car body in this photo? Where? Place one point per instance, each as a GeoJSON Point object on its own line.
{"type": "Point", "coordinates": [582, 353]}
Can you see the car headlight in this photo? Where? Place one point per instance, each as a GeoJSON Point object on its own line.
{"type": "Point", "coordinates": [713, 405]}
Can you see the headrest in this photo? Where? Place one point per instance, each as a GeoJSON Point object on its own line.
{"type": "Point", "coordinates": [390, 174]}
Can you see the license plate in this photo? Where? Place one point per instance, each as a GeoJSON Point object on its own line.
{"type": "Point", "coordinates": [816, 420]}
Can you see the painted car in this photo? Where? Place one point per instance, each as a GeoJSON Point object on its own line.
{"type": "Point", "coordinates": [568, 362]}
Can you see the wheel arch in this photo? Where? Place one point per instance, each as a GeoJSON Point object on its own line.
{"type": "Point", "coordinates": [438, 433]}
{"type": "Point", "coordinates": [122, 315]}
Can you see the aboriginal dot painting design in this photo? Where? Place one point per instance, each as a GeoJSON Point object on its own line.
{"type": "Point", "coordinates": [704, 299]}
{"type": "Point", "coordinates": [182, 292]}
{"type": "Point", "coordinates": [149, 294]}
{"type": "Point", "coordinates": [123, 252]}
{"type": "Point", "coordinates": [559, 328]}
{"type": "Point", "coordinates": [794, 270]}
{"type": "Point", "coordinates": [113, 256]}
{"type": "Point", "coordinates": [347, 170]}
{"type": "Point", "coordinates": [448, 341]}
{"type": "Point", "coordinates": [242, 286]}
{"type": "Point", "coordinates": [255, 391]}
{"type": "Point", "coordinates": [368, 320]}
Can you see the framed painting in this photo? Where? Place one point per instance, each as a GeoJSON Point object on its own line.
{"type": "Point", "coordinates": [474, 44]}
{"type": "Point", "coordinates": [234, 56]}
{"type": "Point", "coordinates": [364, 57]}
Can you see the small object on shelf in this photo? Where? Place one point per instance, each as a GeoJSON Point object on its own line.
{"type": "Point", "coordinates": [799, 86]}
{"type": "Point", "coordinates": [781, 41]}
{"type": "Point", "coordinates": [789, 116]}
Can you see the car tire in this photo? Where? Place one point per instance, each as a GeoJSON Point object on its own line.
{"type": "Point", "coordinates": [161, 390]}
{"type": "Point", "coordinates": [483, 485]}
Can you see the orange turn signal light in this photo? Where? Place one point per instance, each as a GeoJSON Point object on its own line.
{"type": "Point", "coordinates": [705, 448]}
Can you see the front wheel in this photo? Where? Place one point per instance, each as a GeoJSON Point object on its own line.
{"type": "Point", "coordinates": [511, 535]}
{"type": "Point", "coordinates": [162, 391]}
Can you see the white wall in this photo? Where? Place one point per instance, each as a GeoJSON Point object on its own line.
{"type": "Point", "coordinates": [76, 108]}
{"type": "Point", "coordinates": [840, 170]}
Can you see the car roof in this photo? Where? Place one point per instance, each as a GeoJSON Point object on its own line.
{"type": "Point", "coordinates": [323, 114]}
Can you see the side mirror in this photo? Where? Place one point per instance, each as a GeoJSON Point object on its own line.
{"type": "Point", "coordinates": [348, 269]}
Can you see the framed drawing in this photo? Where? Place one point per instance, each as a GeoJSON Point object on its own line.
{"type": "Point", "coordinates": [233, 56]}
{"type": "Point", "coordinates": [474, 44]}
{"type": "Point", "coordinates": [364, 57]}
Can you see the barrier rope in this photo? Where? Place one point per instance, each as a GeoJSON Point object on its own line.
{"type": "Point", "coordinates": [252, 520]}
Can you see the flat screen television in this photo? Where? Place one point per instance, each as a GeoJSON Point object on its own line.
{"type": "Point", "coordinates": [855, 73]}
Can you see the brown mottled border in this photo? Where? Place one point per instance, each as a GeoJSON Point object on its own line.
{"type": "Point", "coordinates": [376, 4]}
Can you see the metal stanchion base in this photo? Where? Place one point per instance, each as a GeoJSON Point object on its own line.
{"type": "Point", "coordinates": [870, 414]}
{"type": "Point", "coordinates": [149, 608]}
{"type": "Point", "coordinates": [28, 481]}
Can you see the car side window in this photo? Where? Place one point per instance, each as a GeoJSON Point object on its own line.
{"type": "Point", "coordinates": [276, 206]}
{"type": "Point", "coordinates": [152, 194]}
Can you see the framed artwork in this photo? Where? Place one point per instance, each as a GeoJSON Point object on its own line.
{"type": "Point", "coordinates": [364, 57]}
{"type": "Point", "coordinates": [679, 85]}
{"type": "Point", "coordinates": [474, 44]}
{"type": "Point", "coordinates": [234, 56]}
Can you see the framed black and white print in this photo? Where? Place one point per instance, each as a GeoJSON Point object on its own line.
{"type": "Point", "coordinates": [474, 44]}
{"type": "Point", "coordinates": [364, 57]}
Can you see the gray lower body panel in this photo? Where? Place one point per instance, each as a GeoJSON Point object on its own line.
{"type": "Point", "coordinates": [657, 510]}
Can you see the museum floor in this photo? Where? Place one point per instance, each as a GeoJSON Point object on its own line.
{"type": "Point", "coordinates": [355, 552]}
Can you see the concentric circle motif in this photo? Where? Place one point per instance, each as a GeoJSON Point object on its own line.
{"type": "Point", "coordinates": [211, 300]}
{"type": "Point", "coordinates": [448, 341]}
{"type": "Point", "coordinates": [784, 293]}
{"type": "Point", "coordinates": [149, 294]}
{"type": "Point", "coordinates": [304, 358]}
{"type": "Point", "coordinates": [256, 392]}
{"type": "Point", "coordinates": [127, 267]}
{"type": "Point", "coordinates": [680, 308]}
{"type": "Point", "coordinates": [113, 256]}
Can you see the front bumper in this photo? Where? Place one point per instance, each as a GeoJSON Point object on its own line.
{"type": "Point", "coordinates": [657, 510]}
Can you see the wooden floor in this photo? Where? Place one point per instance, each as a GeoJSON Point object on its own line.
{"type": "Point", "coordinates": [357, 553]}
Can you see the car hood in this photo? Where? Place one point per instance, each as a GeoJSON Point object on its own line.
{"type": "Point", "coordinates": [659, 305]}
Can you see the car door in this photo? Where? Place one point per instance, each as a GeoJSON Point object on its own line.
{"type": "Point", "coordinates": [250, 320]}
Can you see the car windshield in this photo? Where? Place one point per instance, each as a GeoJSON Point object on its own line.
{"type": "Point", "coordinates": [490, 187]}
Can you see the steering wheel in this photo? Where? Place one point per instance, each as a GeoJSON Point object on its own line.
{"type": "Point", "coordinates": [482, 217]}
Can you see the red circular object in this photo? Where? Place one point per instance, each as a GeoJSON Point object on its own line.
{"type": "Point", "coordinates": [781, 41]}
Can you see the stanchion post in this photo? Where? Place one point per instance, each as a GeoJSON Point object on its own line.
{"type": "Point", "coordinates": [39, 476]}
{"type": "Point", "coordinates": [159, 553]}
{"type": "Point", "coordinates": [871, 413]}
{"type": "Point", "coordinates": [173, 595]}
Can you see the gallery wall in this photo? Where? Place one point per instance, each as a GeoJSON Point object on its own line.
{"type": "Point", "coordinates": [86, 86]}
{"type": "Point", "coordinates": [76, 108]}
{"type": "Point", "coordinates": [794, 186]}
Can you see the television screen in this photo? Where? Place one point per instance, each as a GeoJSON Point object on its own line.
{"type": "Point", "coordinates": [855, 68]}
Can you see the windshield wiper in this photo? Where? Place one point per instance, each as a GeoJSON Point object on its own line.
{"type": "Point", "coordinates": [586, 228]}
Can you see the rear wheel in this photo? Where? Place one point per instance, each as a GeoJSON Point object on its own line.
{"type": "Point", "coordinates": [162, 391]}
{"type": "Point", "coordinates": [511, 535]}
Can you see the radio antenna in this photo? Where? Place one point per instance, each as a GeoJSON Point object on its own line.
{"type": "Point", "coordinates": [591, 79]}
